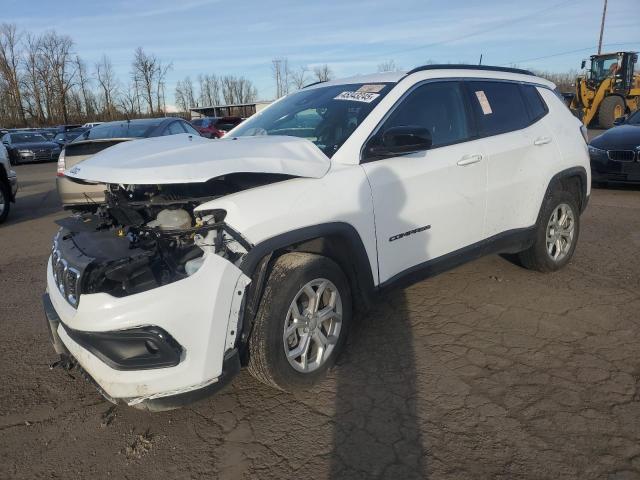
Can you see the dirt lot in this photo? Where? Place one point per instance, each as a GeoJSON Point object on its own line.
{"type": "Point", "coordinates": [488, 371]}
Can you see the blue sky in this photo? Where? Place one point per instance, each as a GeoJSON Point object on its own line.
{"type": "Point", "coordinates": [241, 37]}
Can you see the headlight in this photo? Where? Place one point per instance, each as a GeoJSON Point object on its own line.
{"type": "Point", "coordinates": [596, 152]}
{"type": "Point", "coordinates": [25, 152]}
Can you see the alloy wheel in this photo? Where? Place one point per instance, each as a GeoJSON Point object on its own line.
{"type": "Point", "coordinates": [560, 232]}
{"type": "Point", "coordinates": [312, 326]}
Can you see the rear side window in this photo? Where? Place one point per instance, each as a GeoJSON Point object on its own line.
{"type": "Point", "coordinates": [535, 103]}
{"type": "Point", "coordinates": [175, 128]}
{"type": "Point", "coordinates": [498, 107]}
{"type": "Point", "coordinates": [438, 106]}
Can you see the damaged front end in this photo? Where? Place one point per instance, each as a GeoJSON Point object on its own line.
{"type": "Point", "coordinates": [145, 292]}
{"type": "Point", "coordinates": [144, 237]}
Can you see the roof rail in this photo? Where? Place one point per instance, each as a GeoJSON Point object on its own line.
{"type": "Point", "coordinates": [469, 67]}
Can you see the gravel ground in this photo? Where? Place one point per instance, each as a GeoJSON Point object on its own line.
{"type": "Point", "coordinates": [488, 371]}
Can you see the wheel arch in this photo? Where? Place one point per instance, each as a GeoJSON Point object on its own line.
{"type": "Point", "coordinates": [574, 180]}
{"type": "Point", "coordinates": [4, 180]}
{"type": "Point", "coordinates": [338, 241]}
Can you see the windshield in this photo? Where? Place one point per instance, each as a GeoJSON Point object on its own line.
{"type": "Point", "coordinates": [604, 67]}
{"type": "Point", "coordinates": [133, 129]}
{"type": "Point", "coordinates": [27, 138]}
{"type": "Point", "coordinates": [327, 116]}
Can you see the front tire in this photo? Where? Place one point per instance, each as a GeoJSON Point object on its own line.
{"type": "Point", "coordinates": [556, 234]}
{"type": "Point", "coordinates": [302, 323]}
{"type": "Point", "coordinates": [5, 201]}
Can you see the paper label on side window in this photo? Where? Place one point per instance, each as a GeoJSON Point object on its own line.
{"type": "Point", "coordinates": [484, 102]}
{"type": "Point", "coordinates": [370, 88]}
{"type": "Point", "coordinates": [358, 96]}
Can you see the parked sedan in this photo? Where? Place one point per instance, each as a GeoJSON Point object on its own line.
{"type": "Point", "coordinates": [102, 137]}
{"type": "Point", "coordinates": [615, 155]}
{"type": "Point", "coordinates": [215, 127]}
{"type": "Point", "coordinates": [29, 147]}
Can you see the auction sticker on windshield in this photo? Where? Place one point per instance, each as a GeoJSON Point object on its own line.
{"type": "Point", "coordinates": [365, 97]}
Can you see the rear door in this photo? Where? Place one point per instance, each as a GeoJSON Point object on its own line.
{"type": "Point", "coordinates": [429, 203]}
{"type": "Point", "coordinates": [517, 145]}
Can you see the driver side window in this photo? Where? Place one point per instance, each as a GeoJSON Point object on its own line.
{"type": "Point", "coordinates": [437, 106]}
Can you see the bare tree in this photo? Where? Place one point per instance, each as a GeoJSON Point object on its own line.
{"type": "Point", "coordinates": [281, 73]}
{"type": "Point", "coordinates": [237, 90]}
{"type": "Point", "coordinates": [84, 84]}
{"type": "Point", "coordinates": [56, 50]}
{"type": "Point", "coordinates": [161, 76]}
{"type": "Point", "coordinates": [209, 89]}
{"type": "Point", "coordinates": [388, 66]}
{"type": "Point", "coordinates": [9, 67]}
{"type": "Point", "coordinates": [32, 81]}
{"type": "Point", "coordinates": [184, 95]}
{"type": "Point", "coordinates": [299, 77]}
{"type": "Point", "coordinates": [128, 101]}
{"type": "Point", "coordinates": [145, 73]}
{"type": "Point", "coordinates": [323, 73]}
{"type": "Point", "coordinates": [108, 84]}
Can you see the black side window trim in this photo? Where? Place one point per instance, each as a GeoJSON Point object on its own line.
{"type": "Point", "coordinates": [532, 117]}
{"type": "Point", "coordinates": [471, 124]}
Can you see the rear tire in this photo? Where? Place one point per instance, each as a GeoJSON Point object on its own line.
{"type": "Point", "coordinates": [5, 201]}
{"type": "Point", "coordinates": [556, 234]}
{"type": "Point", "coordinates": [279, 333]}
{"type": "Point", "coordinates": [611, 108]}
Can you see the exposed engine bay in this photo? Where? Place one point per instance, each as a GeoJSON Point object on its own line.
{"type": "Point", "coordinates": [146, 236]}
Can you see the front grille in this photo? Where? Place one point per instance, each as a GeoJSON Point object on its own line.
{"type": "Point", "coordinates": [67, 278]}
{"type": "Point", "coordinates": [41, 155]}
{"type": "Point", "coordinates": [622, 155]}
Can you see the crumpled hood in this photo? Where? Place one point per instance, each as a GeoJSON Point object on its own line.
{"type": "Point", "coordinates": [186, 158]}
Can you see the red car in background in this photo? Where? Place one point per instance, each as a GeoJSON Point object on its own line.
{"type": "Point", "coordinates": [215, 127]}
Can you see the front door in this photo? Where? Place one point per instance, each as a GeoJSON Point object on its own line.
{"type": "Point", "coordinates": [429, 203]}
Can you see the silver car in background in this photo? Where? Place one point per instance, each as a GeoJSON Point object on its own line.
{"type": "Point", "coordinates": [99, 138]}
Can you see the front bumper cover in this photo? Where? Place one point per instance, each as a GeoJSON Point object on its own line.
{"type": "Point", "coordinates": [230, 367]}
{"type": "Point", "coordinates": [200, 313]}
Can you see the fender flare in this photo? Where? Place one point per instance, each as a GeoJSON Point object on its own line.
{"type": "Point", "coordinates": [257, 261]}
{"type": "Point", "coordinates": [556, 180]}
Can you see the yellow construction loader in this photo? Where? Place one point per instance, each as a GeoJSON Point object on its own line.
{"type": "Point", "coordinates": [608, 90]}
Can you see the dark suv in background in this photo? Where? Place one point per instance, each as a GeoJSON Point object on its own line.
{"type": "Point", "coordinates": [215, 127]}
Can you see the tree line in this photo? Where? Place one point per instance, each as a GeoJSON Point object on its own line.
{"type": "Point", "coordinates": [43, 81]}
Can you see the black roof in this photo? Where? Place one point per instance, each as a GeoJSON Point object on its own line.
{"type": "Point", "coordinates": [469, 67]}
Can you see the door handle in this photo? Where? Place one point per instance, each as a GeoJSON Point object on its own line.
{"type": "Point", "coordinates": [542, 140]}
{"type": "Point", "coordinates": [469, 159]}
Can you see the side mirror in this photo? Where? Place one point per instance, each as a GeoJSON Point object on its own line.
{"type": "Point", "coordinates": [401, 140]}
{"type": "Point", "coordinates": [620, 120]}
{"type": "Point", "coordinates": [583, 64]}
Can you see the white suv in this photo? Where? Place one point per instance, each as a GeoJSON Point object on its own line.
{"type": "Point", "coordinates": [255, 249]}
